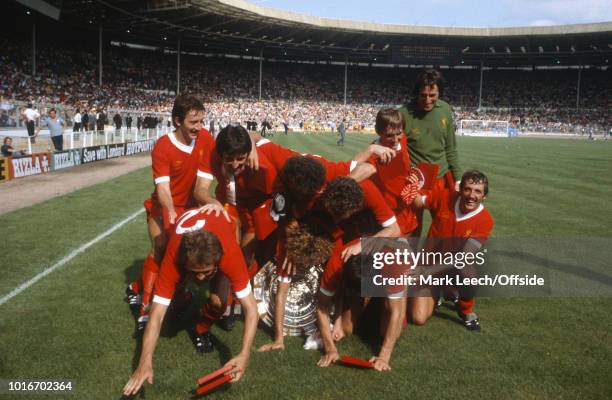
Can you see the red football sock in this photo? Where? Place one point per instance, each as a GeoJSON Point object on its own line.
{"type": "Point", "coordinates": [149, 275]}
{"type": "Point", "coordinates": [208, 318]}
{"type": "Point", "coordinates": [136, 286]}
{"type": "Point", "coordinates": [465, 306]}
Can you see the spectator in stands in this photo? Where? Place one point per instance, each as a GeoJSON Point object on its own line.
{"type": "Point", "coordinates": [77, 118]}
{"type": "Point", "coordinates": [85, 121]}
{"type": "Point", "coordinates": [100, 121]}
{"type": "Point", "coordinates": [9, 151]}
{"type": "Point", "coordinates": [56, 129]}
{"type": "Point", "coordinates": [92, 119]}
{"type": "Point", "coordinates": [117, 120]}
{"type": "Point", "coordinates": [30, 116]}
{"type": "Point", "coordinates": [128, 122]}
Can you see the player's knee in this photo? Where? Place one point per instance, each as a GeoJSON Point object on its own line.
{"type": "Point", "coordinates": [420, 317]}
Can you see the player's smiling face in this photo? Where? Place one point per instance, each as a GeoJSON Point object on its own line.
{"type": "Point", "coordinates": [191, 125]}
{"type": "Point", "coordinates": [472, 195]}
{"type": "Point", "coordinates": [428, 95]}
{"type": "Point", "coordinates": [391, 137]}
{"type": "Point", "coordinates": [235, 164]}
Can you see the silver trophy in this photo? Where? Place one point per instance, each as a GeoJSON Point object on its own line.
{"type": "Point", "coordinates": [300, 308]}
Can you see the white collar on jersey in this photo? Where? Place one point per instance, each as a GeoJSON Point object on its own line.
{"type": "Point", "coordinates": [461, 216]}
{"type": "Point", "coordinates": [182, 147]}
{"type": "Point", "coordinates": [397, 148]}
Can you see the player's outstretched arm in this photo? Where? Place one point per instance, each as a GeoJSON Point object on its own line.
{"type": "Point", "coordinates": [279, 318]}
{"type": "Point", "coordinates": [362, 171]}
{"type": "Point", "coordinates": [384, 154]}
{"type": "Point", "coordinates": [395, 309]}
{"type": "Point", "coordinates": [240, 362]}
{"type": "Point", "coordinates": [324, 304]}
{"type": "Point", "coordinates": [144, 372]}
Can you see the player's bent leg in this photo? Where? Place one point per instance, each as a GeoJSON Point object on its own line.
{"type": "Point", "coordinates": [355, 305]}
{"type": "Point", "coordinates": [151, 265]}
{"type": "Point", "coordinates": [420, 309]}
{"type": "Point", "coordinates": [467, 300]}
{"type": "Point", "coordinates": [212, 311]}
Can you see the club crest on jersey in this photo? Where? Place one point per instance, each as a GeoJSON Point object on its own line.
{"type": "Point", "coordinates": [186, 224]}
{"type": "Point", "coordinates": [444, 123]}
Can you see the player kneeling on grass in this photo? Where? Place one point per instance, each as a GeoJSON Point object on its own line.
{"type": "Point", "coordinates": [460, 223]}
{"type": "Point", "coordinates": [203, 249]}
{"type": "Point", "coordinates": [353, 305]}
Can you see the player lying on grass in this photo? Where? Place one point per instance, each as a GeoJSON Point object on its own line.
{"type": "Point", "coordinates": [176, 160]}
{"type": "Point", "coordinates": [460, 223]}
{"type": "Point", "coordinates": [203, 250]}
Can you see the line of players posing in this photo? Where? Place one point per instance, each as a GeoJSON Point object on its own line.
{"type": "Point", "coordinates": [303, 210]}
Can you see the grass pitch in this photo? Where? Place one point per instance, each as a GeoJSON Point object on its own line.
{"type": "Point", "coordinates": [74, 324]}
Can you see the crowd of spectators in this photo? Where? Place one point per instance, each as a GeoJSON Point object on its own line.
{"type": "Point", "coordinates": [300, 95]}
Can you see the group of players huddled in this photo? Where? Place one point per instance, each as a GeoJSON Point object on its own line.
{"type": "Point", "coordinates": [300, 210]}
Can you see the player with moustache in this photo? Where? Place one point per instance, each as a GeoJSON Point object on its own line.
{"type": "Point", "coordinates": [203, 250]}
{"type": "Point", "coordinates": [177, 159]}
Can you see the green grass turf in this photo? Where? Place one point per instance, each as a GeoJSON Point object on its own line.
{"type": "Point", "coordinates": [73, 324]}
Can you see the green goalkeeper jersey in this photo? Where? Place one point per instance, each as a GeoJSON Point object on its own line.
{"type": "Point", "coordinates": [431, 137]}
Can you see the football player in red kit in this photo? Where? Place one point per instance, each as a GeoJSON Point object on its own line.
{"type": "Point", "coordinates": [203, 249]}
{"type": "Point", "coordinates": [177, 159]}
{"type": "Point", "coordinates": [460, 223]}
{"type": "Point", "coordinates": [389, 166]}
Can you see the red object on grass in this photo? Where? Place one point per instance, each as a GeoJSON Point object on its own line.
{"type": "Point", "coordinates": [213, 375]}
{"type": "Point", "coordinates": [357, 362]}
{"type": "Point", "coordinates": [215, 383]}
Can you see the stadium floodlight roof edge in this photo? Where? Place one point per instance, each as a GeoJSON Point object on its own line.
{"type": "Point", "coordinates": [289, 17]}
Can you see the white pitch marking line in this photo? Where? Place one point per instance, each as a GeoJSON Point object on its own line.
{"type": "Point", "coordinates": [69, 257]}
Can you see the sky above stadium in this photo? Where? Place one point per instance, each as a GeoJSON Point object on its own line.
{"type": "Point", "coordinates": [472, 13]}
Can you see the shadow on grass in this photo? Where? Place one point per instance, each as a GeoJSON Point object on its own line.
{"type": "Point", "coordinates": [577, 270]}
{"type": "Point", "coordinates": [133, 271]}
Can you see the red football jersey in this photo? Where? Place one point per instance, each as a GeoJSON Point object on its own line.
{"type": "Point", "coordinates": [278, 155]}
{"type": "Point", "coordinates": [179, 164]}
{"type": "Point", "coordinates": [390, 179]}
{"type": "Point", "coordinates": [331, 280]}
{"type": "Point", "coordinates": [232, 262]}
{"type": "Point", "coordinates": [250, 188]}
{"type": "Point", "coordinates": [449, 222]}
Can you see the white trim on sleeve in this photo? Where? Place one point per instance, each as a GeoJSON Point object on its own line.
{"type": "Point", "coordinates": [353, 165]}
{"type": "Point", "coordinates": [284, 279]}
{"type": "Point", "coordinates": [205, 175]}
{"type": "Point", "coordinates": [262, 142]}
{"type": "Point", "coordinates": [326, 292]}
{"type": "Point", "coordinates": [389, 222]}
{"type": "Point", "coordinates": [395, 296]}
{"type": "Point", "coordinates": [162, 179]}
{"type": "Point", "coordinates": [244, 292]}
{"type": "Point", "coordinates": [161, 300]}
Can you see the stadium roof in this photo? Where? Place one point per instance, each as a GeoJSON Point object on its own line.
{"type": "Point", "coordinates": [241, 27]}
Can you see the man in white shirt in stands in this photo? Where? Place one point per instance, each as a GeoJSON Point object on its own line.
{"type": "Point", "coordinates": [30, 116]}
